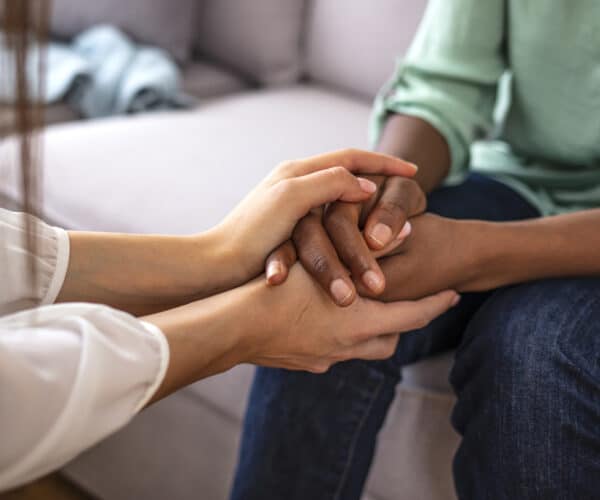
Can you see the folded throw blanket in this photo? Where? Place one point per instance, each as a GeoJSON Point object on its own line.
{"type": "Point", "coordinates": [101, 73]}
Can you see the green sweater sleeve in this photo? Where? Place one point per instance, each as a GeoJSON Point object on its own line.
{"type": "Point", "coordinates": [450, 75]}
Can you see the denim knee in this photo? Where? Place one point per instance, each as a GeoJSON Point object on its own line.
{"type": "Point", "coordinates": [527, 377]}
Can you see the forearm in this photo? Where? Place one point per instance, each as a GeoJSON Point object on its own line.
{"type": "Point", "coordinates": [415, 140]}
{"type": "Point", "coordinates": [552, 247]}
{"type": "Point", "coordinates": [207, 337]}
{"type": "Point", "coordinates": [141, 274]}
{"type": "Point", "coordinates": [476, 256]}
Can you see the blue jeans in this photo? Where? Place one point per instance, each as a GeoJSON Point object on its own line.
{"type": "Point", "coordinates": [526, 376]}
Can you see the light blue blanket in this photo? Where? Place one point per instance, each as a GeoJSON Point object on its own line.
{"type": "Point", "coordinates": [102, 72]}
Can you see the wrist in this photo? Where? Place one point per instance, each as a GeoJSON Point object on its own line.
{"type": "Point", "coordinates": [484, 252]}
{"type": "Point", "coordinates": [205, 337]}
{"type": "Point", "coordinates": [215, 266]}
{"type": "Point", "coordinates": [477, 253]}
{"type": "Point", "coordinates": [260, 319]}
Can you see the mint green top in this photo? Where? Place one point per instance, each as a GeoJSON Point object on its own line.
{"type": "Point", "coordinates": [546, 115]}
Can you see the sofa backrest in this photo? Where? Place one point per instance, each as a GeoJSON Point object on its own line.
{"type": "Point", "coordinates": [259, 38]}
{"type": "Point", "coordinates": [351, 45]}
{"type": "Point", "coordinates": [165, 23]}
{"type": "Point", "coordinates": [354, 44]}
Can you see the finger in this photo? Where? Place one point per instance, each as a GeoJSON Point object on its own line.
{"type": "Point", "coordinates": [382, 347]}
{"type": "Point", "coordinates": [368, 205]}
{"type": "Point", "coordinates": [279, 263]}
{"type": "Point", "coordinates": [354, 160]}
{"type": "Point", "coordinates": [400, 199]}
{"type": "Point", "coordinates": [405, 316]}
{"type": "Point", "coordinates": [326, 186]}
{"type": "Point", "coordinates": [320, 260]}
{"type": "Point", "coordinates": [341, 223]}
{"type": "Point", "coordinates": [391, 248]}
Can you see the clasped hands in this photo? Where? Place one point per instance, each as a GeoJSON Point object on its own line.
{"type": "Point", "coordinates": [385, 248]}
{"type": "Point", "coordinates": [312, 210]}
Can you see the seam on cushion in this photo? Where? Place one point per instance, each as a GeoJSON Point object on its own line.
{"type": "Point", "coordinates": [425, 393]}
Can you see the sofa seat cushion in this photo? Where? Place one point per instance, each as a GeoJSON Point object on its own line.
{"type": "Point", "coordinates": [226, 393]}
{"type": "Point", "coordinates": [203, 80]}
{"type": "Point", "coordinates": [415, 449]}
{"type": "Point", "coordinates": [182, 172]}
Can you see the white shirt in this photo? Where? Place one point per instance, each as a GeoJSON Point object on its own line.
{"type": "Point", "coordinates": [70, 374]}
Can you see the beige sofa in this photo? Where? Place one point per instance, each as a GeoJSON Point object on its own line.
{"type": "Point", "coordinates": [278, 79]}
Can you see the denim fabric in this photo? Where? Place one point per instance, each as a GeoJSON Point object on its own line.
{"type": "Point", "coordinates": [527, 378]}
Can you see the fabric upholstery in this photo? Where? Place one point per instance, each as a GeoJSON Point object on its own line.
{"type": "Point", "coordinates": [178, 449]}
{"type": "Point", "coordinates": [54, 113]}
{"type": "Point", "coordinates": [260, 39]}
{"type": "Point", "coordinates": [353, 45]}
{"type": "Point", "coordinates": [204, 80]}
{"type": "Point", "coordinates": [144, 20]}
{"type": "Point", "coordinates": [148, 173]}
{"type": "Point", "coordinates": [416, 444]}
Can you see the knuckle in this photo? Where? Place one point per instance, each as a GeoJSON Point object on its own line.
{"type": "Point", "coordinates": [409, 189]}
{"type": "Point", "coordinates": [337, 174]}
{"type": "Point", "coordinates": [390, 349]}
{"type": "Point", "coordinates": [338, 357]}
{"type": "Point", "coordinates": [357, 337]}
{"type": "Point", "coordinates": [420, 202]}
{"type": "Point", "coordinates": [388, 352]}
{"type": "Point", "coordinates": [305, 233]}
{"type": "Point", "coordinates": [283, 189]}
{"type": "Point", "coordinates": [339, 171]}
{"type": "Point", "coordinates": [393, 207]}
{"type": "Point", "coordinates": [287, 166]}
{"type": "Point", "coordinates": [348, 156]}
{"type": "Point", "coordinates": [351, 152]}
{"type": "Point", "coordinates": [339, 218]}
{"type": "Point", "coordinates": [319, 264]}
{"type": "Point", "coordinates": [356, 258]}
{"type": "Point", "coordinates": [320, 367]}
{"type": "Point", "coordinates": [422, 321]}
{"type": "Point", "coordinates": [335, 220]}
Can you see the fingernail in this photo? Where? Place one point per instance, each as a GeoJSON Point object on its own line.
{"type": "Point", "coordinates": [405, 232]}
{"type": "Point", "coordinates": [456, 300]}
{"type": "Point", "coordinates": [414, 166]}
{"type": "Point", "coordinates": [273, 269]}
{"type": "Point", "coordinates": [381, 234]}
{"type": "Point", "coordinates": [366, 185]}
{"type": "Point", "coordinates": [341, 291]}
{"type": "Point", "coordinates": [373, 281]}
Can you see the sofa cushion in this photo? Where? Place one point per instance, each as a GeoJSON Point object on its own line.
{"type": "Point", "coordinates": [178, 449]}
{"type": "Point", "coordinates": [162, 23]}
{"type": "Point", "coordinates": [260, 39]}
{"type": "Point", "coordinates": [149, 173]}
{"type": "Point", "coordinates": [204, 80]}
{"type": "Point", "coordinates": [353, 44]}
{"type": "Point", "coordinates": [226, 392]}
{"type": "Point", "coordinates": [415, 448]}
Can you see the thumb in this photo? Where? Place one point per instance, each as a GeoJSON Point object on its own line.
{"type": "Point", "coordinates": [279, 263]}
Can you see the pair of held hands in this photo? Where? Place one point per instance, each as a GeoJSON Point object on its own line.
{"type": "Point", "coordinates": [342, 303]}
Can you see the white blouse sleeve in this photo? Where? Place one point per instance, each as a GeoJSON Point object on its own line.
{"type": "Point", "coordinates": [18, 291]}
{"type": "Point", "coordinates": [70, 374]}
